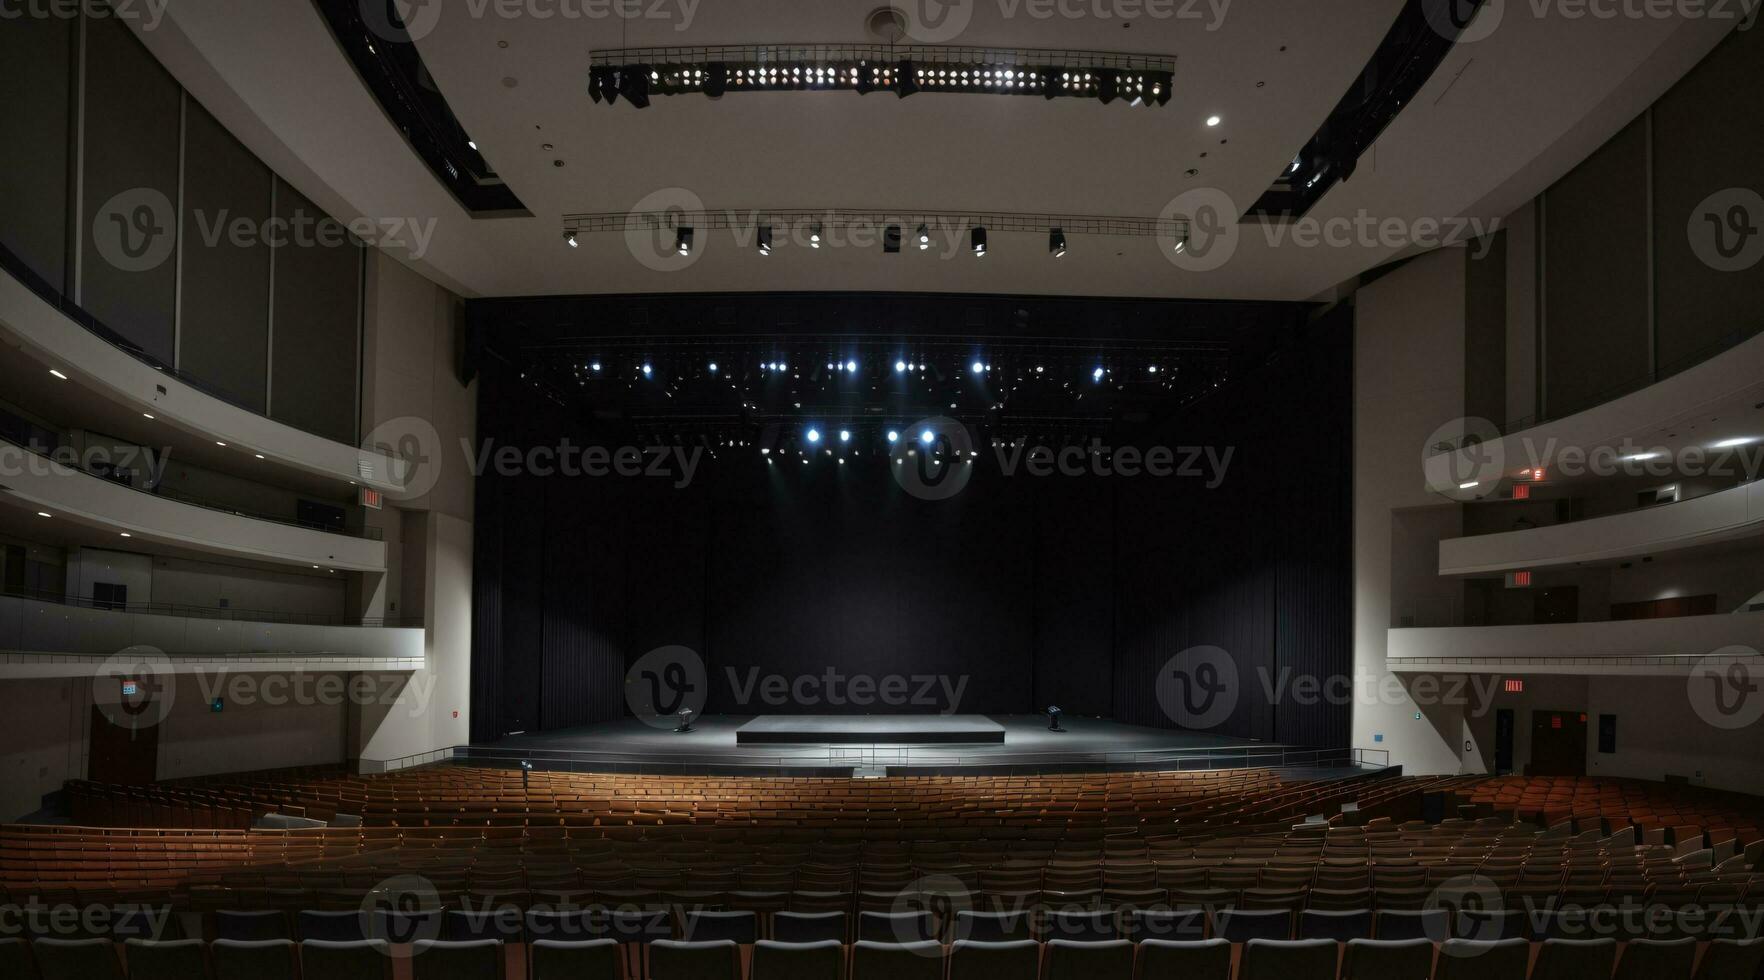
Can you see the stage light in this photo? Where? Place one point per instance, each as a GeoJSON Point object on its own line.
{"type": "Point", "coordinates": [570, 239]}
{"type": "Point", "coordinates": [814, 435]}
{"type": "Point", "coordinates": [893, 436]}
{"type": "Point", "coordinates": [977, 241]}
{"type": "Point", "coordinates": [1096, 375]}
{"type": "Point", "coordinates": [851, 366]}
{"type": "Point", "coordinates": [713, 367]}
{"type": "Point", "coordinates": [595, 366]}
{"type": "Point", "coordinates": [648, 370]}
{"type": "Point", "coordinates": [900, 367]}
{"type": "Point", "coordinates": [844, 435]}
{"type": "Point", "coordinates": [891, 240]}
{"type": "Point", "coordinates": [765, 239]}
{"type": "Point", "coordinates": [1181, 244]}
{"type": "Point", "coordinates": [927, 437]}
{"type": "Point", "coordinates": [1152, 369]}
{"type": "Point", "coordinates": [1056, 243]}
{"type": "Point", "coordinates": [634, 84]}
{"type": "Point", "coordinates": [977, 367]}
{"type": "Point", "coordinates": [924, 238]}
{"type": "Point", "coordinates": [683, 240]}
{"type": "Point", "coordinates": [765, 452]}
{"type": "Point", "coordinates": [716, 79]}
{"type": "Point", "coordinates": [908, 79]}
{"type": "Point", "coordinates": [815, 235]}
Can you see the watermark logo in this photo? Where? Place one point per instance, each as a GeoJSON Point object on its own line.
{"type": "Point", "coordinates": [135, 687]}
{"type": "Point", "coordinates": [148, 13]}
{"type": "Point", "coordinates": [1726, 688]}
{"type": "Point", "coordinates": [656, 241]}
{"type": "Point", "coordinates": [1475, 458]}
{"type": "Point", "coordinates": [401, 911]}
{"type": "Point", "coordinates": [834, 687]}
{"type": "Point", "coordinates": [1198, 230]}
{"type": "Point", "coordinates": [136, 231]}
{"type": "Point", "coordinates": [1199, 687]}
{"type": "Point", "coordinates": [418, 18]}
{"type": "Point", "coordinates": [1466, 21]}
{"type": "Point", "coordinates": [1476, 895]}
{"type": "Point", "coordinates": [941, 895]}
{"type": "Point", "coordinates": [933, 459]}
{"type": "Point", "coordinates": [665, 682]}
{"type": "Point", "coordinates": [1727, 230]}
{"type": "Point", "coordinates": [935, 21]}
{"type": "Point", "coordinates": [415, 442]}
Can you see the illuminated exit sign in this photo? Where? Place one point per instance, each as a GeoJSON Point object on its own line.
{"type": "Point", "coordinates": [371, 499]}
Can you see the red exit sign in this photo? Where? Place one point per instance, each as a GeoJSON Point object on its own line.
{"type": "Point", "coordinates": [1514, 685]}
{"type": "Point", "coordinates": [371, 499]}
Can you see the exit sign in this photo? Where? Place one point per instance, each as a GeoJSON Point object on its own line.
{"type": "Point", "coordinates": [1514, 685]}
{"type": "Point", "coordinates": [1518, 580]}
{"type": "Point", "coordinates": [371, 499]}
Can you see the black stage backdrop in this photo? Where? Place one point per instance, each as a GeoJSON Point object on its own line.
{"type": "Point", "coordinates": [1030, 591]}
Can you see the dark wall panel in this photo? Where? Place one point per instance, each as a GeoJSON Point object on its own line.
{"type": "Point", "coordinates": [224, 330]}
{"type": "Point", "coordinates": [129, 226]}
{"type": "Point", "coordinates": [36, 55]}
{"type": "Point", "coordinates": [1703, 152]}
{"type": "Point", "coordinates": [1485, 329]}
{"type": "Point", "coordinates": [1596, 276]}
{"type": "Point", "coordinates": [315, 345]}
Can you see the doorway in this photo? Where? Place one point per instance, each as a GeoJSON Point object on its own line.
{"type": "Point", "coordinates": [122, 755]}
{"type": "Point", "coordinates": [1503, 741]}
{"type": "Point", "coordinates": [1558, 744]}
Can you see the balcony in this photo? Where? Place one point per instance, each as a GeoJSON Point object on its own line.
{"type": "Point", "coordinates": [44, 638]}
{"type": "Point", "coordinates": [1629, 647]}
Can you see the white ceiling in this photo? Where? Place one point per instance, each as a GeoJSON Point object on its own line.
{"type": "Point", "coordinates": [1502, 118]}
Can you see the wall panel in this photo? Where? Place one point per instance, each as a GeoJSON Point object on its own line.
{"type": "Point", "coordinates": [36, 57]}
{"type": "Point", "coordinates": [315, 342]}
{"type": "Point", "coordinates": [224, 325]}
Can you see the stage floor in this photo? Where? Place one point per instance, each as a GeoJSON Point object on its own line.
{"type": "Point", "coordinates": [712, 747]}
{"type": "Point", "coordinates": [869, 730]}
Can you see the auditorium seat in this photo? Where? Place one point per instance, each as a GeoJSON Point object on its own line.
{"type": "Point", "coordinates": [671, 959]}
{"type": "Point", "coordinates": [1340, 926]}
{"type": "Point", "coordinates": [1430, 924]}
{"type": "Point", "coordinates": [774, 960]}
{"type": "Point", "coordinates": [1174, 926]}
{"type": "Point", "coordinates": [991, 927]}
{"type": "Point", "coordinates": [1577, 959]}
{"type": "Point", "coordinates": [474, 959]}
{"type": "Point", "coordinates": [253, 959]}
{"type": "Point", "coordinates": [1475, 959]}
{"type": "Point", "coordinates": [249, 926]}
{"type": "Point", "coordinates": [1732, 959]}
{"type": "Point", "coordinates": [15, 960]}
{"type": "Point", "coordinates": [1387, 959]}
{"type": "Point", "coordinates": [809, 927]}
{"type": "Point", "coordinates": [76, 959]}
{"type": "Point", "coordinates": [503, 922]}
{"type": "Point", "coordinates": [565, 925]}
{"type": "Point", "coordinates": [1241, 926]}
{"type": "Point", "coordinates": [174, 959]}
{"type": "Point", "coordinates": [1490, 925]}
{"type": "Point", "coordinates": [1018, 959]}
{"type": "Point", "coordinates": [897, 960]}
{"type": "Point", "coordinates": [588, 959]}
{"type": "Point", "coordinates": [404, 927]}
{"type": "Point", "coordinates": [705, 926]}
{"type": "Point", "coordinates": [895, 927]}
{"type": "Point", "coordinates": [1656, 959]}
{"type": "Point", "coordinates": [1288, 959]}
{"type": "Point", "coordinates": [1079, 926]}
{"type": "Point", "coordinates": [1203, 959]}
{"type": "Point", "coordinates": [1066, 959]}
{"type": "Point", "coordinates": [331, 927]}
{"type": "Point", "coordinates": [364, 959]}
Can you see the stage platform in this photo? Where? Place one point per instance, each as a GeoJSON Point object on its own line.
{"type": "Point", "coordinates": [869, 730]}
{"type": "Point", "coordinates": [714, 747]}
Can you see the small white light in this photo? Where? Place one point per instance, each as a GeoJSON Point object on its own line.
{"type": "Point", "coordinates": [58, 374]}
{"type": "Point", "coordinates": [844, 435]}
{"type": "Point", "coordinates": [713, 367]}
{"type": "Point", "coordinates": [851, 366]}
{"type": "Point", "coordinates": [1467, 486]}
{"type": "Point", "coordinates": [220, 444]}
{"type": "Point", "coordinates": [900, 367]}
{"type": "Point", "coordinates": [1096, 375]}
{"type": "Point", "coordinates": [1734, 443]}
{"type": "Point", "coordinates": [814, 435]}
{"type": "Point", "coordinates": [127, 534]}
{"type": "Point", "coordinates": [147, 415]}
{"type": "Point", "coordinates": [977, 367]}
{"type": "Point", "coordinates": [472, 143]}
{"type": "Point", "coordinates": [595, 366]}
{"type": "Point", "coordinates": [1213, 121]}
{"type": "Point", "coordinates": [258, 455]}
{"type": "Point", "coordinates": [1641, 457]}
{"type": "Point", "coordinates": [648, 370]}
{"type": "Point", "coordinates": [927, 437]}
{"type": "Point", "coordinates": [44, 513]}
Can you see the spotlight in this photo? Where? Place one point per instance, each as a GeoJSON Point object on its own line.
{"type": "Point", "coordinates": [716, 79]}
{"type": "Point", "coordinates": [1096, 375]}
{"type": "Point", "coordinates": [927, 437]}
{"type": "Point", "coordinates": [815, 235]}
{"type": "Point", "coordinates": [924, 238]}
{"type": "Point", "coordinates": [814, 435]}
{"type": "Point", "coordinates": [765, 239]}
{"type": "Point", "coordinates": [683, 240]}
{"type": "Point", "coordinates": [907, 79]}
{"type": "Point", "coordinates": [634, 84]}
{"type": "Point", "coordinates": [1108, 86]}
{"type": "Point", "coordinates": [977, 367]}
{"type": "Point", "coordinates": [851, 366]}
{"type": "Point", "coordinates": [648, 370]}
{"type": "Point", "coordinates": [891, 240]}
{"type": "Point", "coordinates": [1056, 243]}
{"type": "Point", "coordinates": [713, 367]}
{"type": "Point", "coordinates": [1182, 244]}
{"type": "Point", "coordinates": [844, 435]}
{"type": "Point", "coordinates": [900, 367]}
{"type": "Point", "coordinates": [977, 241]}
{"type": "Point", "coordinates": [893, 436]}
{"type": "Point", "coordinates": [866, 79]}
{"type": "Point", "coordinates": [603, 84]}
{"type": "Point", "coordinates": [570, 239]}
{"type": "Point", "coordinates": [595, 366]}
{"type": "Point", "coordinates": [685, 720]}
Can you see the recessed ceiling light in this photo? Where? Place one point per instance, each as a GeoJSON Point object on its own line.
{"type": "Point", "coordinates": [1467, 486]}
{"type": "Point", "coordinates": [1733, 443]}
{"type": "Point", "coordinates": [127, 534]}
{"type": "Point", "coordinates": [58, 374]}
{"type": "Point", "coordinates": [1214, 120]}
{"type": "Point", "coordinates": [44, 513]}
{"type": "Point", "coordinates": [220, 444]}
{"type": "Point", "coordinates": [258, 455]}
{"type": "Point", "coordinates": [147, 415]}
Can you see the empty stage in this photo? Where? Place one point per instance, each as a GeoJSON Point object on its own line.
{"type": "Point", "coordinates": [869, 730]}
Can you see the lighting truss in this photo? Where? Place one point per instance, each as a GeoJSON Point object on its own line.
{"type": "Point", "coordinates": [1105, 76]}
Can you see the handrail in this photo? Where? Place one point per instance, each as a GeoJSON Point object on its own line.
{"type": "Point", "coordinates": [364, 532]}
{"type": "Point", "coordinates": [208, 612]}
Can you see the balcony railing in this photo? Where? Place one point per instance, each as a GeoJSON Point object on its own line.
{"type": "Point", "coordinates": [227, 614]}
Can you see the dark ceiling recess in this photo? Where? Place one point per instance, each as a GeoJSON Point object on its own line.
{"type": "Point", "coordinates": [746, 370]}
{"type": "Point", "coordinates": [1424, 32]}
{"type": "Point", "coordinates": [373, 37]}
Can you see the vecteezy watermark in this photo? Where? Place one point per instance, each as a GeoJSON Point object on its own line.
{"type": "Point", "coordinates": [678, 464]}
{"type": "Point", "coordinates": [1464, 21]}
{"type": "Point", "coordinates": [839, 689]}
{"type": "Point", "coordinates": [664, 240]}
{"type": "Point", "coordinates": [135, 687]}
{"type": "Point", "coordinates": [1724, 688]}
{"type": "Point", "coordinates": [299, 688]}
{"type": "Point", "coordinates": [136, 230]}
{"type": "Point", "coordinates": [1202, 686]}
{"type": "Point", "coordinates": [401, 911]}
{"type": "Point", "coordinates": [1199, 688]}
{"type": "Point", "coordinates": [33, 918]}
{"type": "Point", "coordinates": [942, 895]}
{"type": "Point", "coordinates": [1474, 458]}
{"type": "Point", "coordinates": [148, 13]}
{"type": "Point", "coordinates": [942, 21]}
{"type": "Point", "coordinates": [1727, 229]}
{"type": "Point", "coordinates": [419, 18]}
{"type": "Point", "coordinates": [413, 444]}
{"type": "Point", "coordinates": [111, 461]}
{"type": "Point", "coordinates": [933, 458]}
{"type": "Point", "coordinates": [666, 683]}
{"type": "Point", "coordinates": [1470, 907]}
{"type": "Point", "coordinates": [1467, 459]}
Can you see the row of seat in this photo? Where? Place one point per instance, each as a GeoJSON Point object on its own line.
{"type": "Point", "coordinates": [605, 959]}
